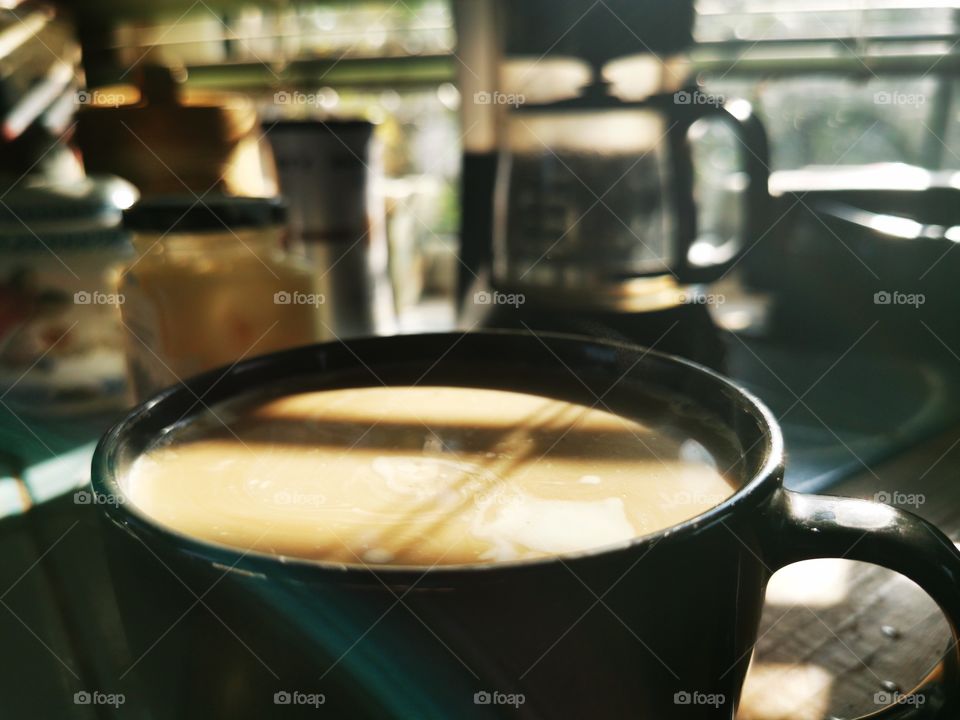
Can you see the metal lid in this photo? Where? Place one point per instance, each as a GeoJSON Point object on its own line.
{"type": "Point", "coordinates": [186, 213]}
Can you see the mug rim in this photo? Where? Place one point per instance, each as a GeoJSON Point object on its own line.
{"type": "Point", "coordinates": [130, 518]}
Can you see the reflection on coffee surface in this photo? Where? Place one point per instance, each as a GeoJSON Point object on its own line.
{"type": "Point", "coordinates": [424, 476]}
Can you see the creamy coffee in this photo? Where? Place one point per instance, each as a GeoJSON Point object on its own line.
{"type": "Point", "coordinates": [424, 476]}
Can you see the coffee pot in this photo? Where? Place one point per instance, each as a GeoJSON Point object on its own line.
{"type": "Point", "coordinates": [598, 199]}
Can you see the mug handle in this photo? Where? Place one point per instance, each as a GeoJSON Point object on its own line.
{"type": "Point", "coordinates": [807, 527]}
{"type": "Point", "coordinates": [754, 151]}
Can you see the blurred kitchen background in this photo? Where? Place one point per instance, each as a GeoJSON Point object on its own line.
{"type": "Point", "coordinates": [405, 108]}
{"type": "Point", "coordinates": [770, 188]}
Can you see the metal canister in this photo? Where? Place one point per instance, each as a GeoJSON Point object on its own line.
{"type": "Point", "coordinates": [328, 175]}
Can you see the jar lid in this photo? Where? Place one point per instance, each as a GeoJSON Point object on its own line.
{"type": "Point", "coordinates": [82, 215]}
{"type": "Point", "coordinates": [185, 213]}
{"type": "Point", "coordinates": [44, 206]}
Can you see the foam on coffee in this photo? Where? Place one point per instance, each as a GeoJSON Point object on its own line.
{"type": "Point", "coordinates": [424, 476]}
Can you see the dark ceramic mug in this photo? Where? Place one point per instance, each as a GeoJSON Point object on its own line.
{"type": "Point", "coordinates": [661, 628]}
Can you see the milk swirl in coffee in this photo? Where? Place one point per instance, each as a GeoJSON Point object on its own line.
{"type": "Point", "coordinates": [424, 476]}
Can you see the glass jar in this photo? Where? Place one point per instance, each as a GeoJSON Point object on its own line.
{"type": "Point", "coordinates": [211, 285]}
{"type": "Point", "coordinates": [61, 248]}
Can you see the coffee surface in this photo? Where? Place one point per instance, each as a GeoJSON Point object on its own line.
{"type": "Point", "coordinates": [424, 476]}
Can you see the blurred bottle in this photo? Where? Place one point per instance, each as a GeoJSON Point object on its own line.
{"type": "Point", "coordinates": [330, 175]}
